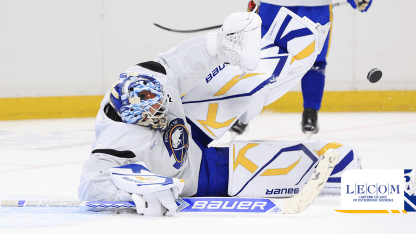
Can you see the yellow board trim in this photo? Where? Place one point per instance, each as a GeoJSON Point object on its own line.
{"type": "Point", "coordinates": [333, 101]}
{"type": "Point", "coordinates": [350, 101]}
{"type": "Point", "coordinates": [49, 107]}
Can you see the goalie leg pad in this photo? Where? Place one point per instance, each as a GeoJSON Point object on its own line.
{"type": "Point", "coordinates": [281, 169]}
{"type": "Point", "coordinates": [348, 160]}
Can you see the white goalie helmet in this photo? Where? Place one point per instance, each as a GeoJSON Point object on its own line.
{"type": "Point", "coordinates": [140, 99]}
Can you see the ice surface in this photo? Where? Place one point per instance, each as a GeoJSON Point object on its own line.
{"type": "Point", "coordinates": [42, 160]}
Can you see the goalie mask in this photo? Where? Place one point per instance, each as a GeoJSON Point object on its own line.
{"type": "Point", "coordinates": [140, 99]}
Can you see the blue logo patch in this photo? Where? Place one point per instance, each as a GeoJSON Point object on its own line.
{"type": "Point", "coordinates": [410, 190]}
{"type": "Point", "coordinates": [176, 141]}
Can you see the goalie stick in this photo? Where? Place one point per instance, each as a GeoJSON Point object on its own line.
{"type": "Point", "coordinates": [293, 205]}
{"type": "Point", "coordinates": [187, 31]}
{"type": "Point", "coordinates": [214, 27]}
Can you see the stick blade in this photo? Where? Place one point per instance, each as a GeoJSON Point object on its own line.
{"type": "Point", "coordinates": [304, 199]}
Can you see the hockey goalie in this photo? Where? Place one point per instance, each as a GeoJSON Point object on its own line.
{"type": "Point", "coordinates": [156, 122]}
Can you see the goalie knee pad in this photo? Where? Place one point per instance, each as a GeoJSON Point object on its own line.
{"type": "Point", "coordinates": [281, 169]}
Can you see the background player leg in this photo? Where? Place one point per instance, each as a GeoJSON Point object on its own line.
{"type": "Point", "coordinates": [314, 80]}
{"type": "Point", "coordinates": [312, 90]}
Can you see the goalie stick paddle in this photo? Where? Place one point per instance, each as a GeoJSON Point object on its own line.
{"type": "Point", "coordinates": [216, 26]}
{"type": "Point", "coordinates": [293, 205]}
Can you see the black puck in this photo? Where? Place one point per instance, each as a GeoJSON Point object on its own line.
{"type": "Point", "coordinates": [374, 75]}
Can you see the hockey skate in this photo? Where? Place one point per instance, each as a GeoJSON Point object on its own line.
{"type": "Point", "coordinates": [310, 122]}
{"type": "Point", "coordinates": [237, 129]}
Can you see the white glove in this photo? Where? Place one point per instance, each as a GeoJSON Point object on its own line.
{"type": "Point", "coordinates": [238, 41]}
{"type": "Point", "coordinates": [156, 204]}
{"type": "Point", "coordinates": [361, 5]}
{"type": "Point", "coordinates": [153, 195]}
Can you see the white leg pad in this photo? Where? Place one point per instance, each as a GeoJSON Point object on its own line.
{"type": "Point", "coordinates": [282, 168]}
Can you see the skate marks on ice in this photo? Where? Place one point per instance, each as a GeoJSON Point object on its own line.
{"type": "Point", "coordinates": [367, 132]}
{"type": "Point", "coordinates": [46, 134]}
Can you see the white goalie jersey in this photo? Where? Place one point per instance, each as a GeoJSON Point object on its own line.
{"type": "Point", "coordinates": [170, 153]}
{"type": "Point", "coordinates": [210, 94]}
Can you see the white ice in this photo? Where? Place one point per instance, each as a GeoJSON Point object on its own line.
{"type": "Point", "coordinates": [42, 160]}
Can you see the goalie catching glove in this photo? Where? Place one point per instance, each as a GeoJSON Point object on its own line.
{"type": "Point", "coordinates": [238, 41]}
{"type": "Point", "coordinates": [152, 194]}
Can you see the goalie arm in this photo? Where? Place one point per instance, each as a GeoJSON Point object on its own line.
{"type": "Point", "coordinates": [237, 43]}
{"type": "Point", "coordinates": [189, 62]}
{"type": "Point", "coordinates": [154, 195]}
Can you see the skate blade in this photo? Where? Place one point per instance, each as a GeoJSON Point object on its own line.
{"type": "Point", "coordinates": [233, 136]}
{"type": "Point", "coordinates": [308, 135]}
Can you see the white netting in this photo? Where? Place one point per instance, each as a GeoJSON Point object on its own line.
{"type": "Point", "coordinates": [232, 45]}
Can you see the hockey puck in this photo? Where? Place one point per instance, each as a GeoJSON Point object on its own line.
{"type": "Point", "coordinates": [374, 75]}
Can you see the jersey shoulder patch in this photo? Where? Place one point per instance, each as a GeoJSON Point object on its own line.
{"type": "Point", "coordinates": [176, 141]}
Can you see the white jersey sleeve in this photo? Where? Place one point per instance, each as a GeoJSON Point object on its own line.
{"type": "Point", "coordinates": [189, 62]}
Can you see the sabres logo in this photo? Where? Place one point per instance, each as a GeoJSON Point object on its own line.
{"type": "Point", "coordinates": [176, 141]}
{"type": "Point", "coordinates": [410, 188]}
{"type": "Point", "coordinates": [410, 181]}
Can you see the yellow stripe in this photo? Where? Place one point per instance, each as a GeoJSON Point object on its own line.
{"type": "Point", "coordinates": [404, 211]}
{"type": "Point", "coordinates": [350, 101]}
{"type": "Point", "coordinates": [280, 171]}
{"type": "Point", "coordinates": [333, 101]}
{"type": "Point", "coordinates": [304, 53]}
{"type": "Point", "coordinates": [364, 211]}
{"type": "Point", "coordinates": [332, 145]}
{"type": "Point", "coordinates": [142, 178]}
{"type": "Point", "coordinates": [395, 212]}
{"type": "Point", "coordinates": [331, 19]}
{"type": "Point", "coordinates": [234, 81]}
{"type": "Point", "coordinates": [242, 160]}
{"type": "Point", "coordinates": [211, 119]}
